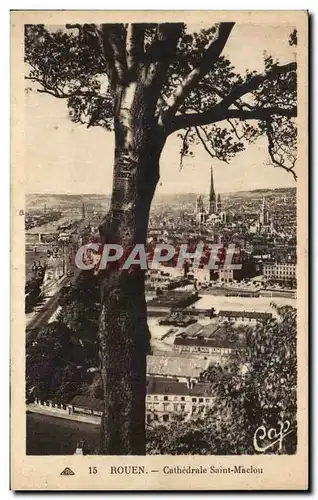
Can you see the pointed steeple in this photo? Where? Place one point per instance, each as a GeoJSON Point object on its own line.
{"type": "Point", "coordinates": [212, 198]}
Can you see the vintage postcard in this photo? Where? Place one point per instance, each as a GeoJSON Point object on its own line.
{"type": "Point", "coordinates": [159, 250]}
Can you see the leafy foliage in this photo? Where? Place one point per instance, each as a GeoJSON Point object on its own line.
{"type": "Point", "coordinates": [59, 354]}
{"type": "Point", "coordinates": [51, 368]}
{"type": "Point", "coordinates": [192, 83]}
{"type": "Point", "coordinates": [257, 389]}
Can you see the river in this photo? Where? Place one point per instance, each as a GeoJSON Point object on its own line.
{"type": "Point", "coordinates": [46, 435]}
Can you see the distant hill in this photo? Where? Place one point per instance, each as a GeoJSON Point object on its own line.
{"type": "Point", "coordinates": [55, 201]}
{"type": "Point", "coordinates": [260, 193]}
{"type": "Point", "coordinates": [98, 201]}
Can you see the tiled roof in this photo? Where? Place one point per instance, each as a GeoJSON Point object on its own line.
{"type": "Point", "coordinates": [175, 366]}
{"type": "Point", "coordinates": [171, 387]}
{"type": "Point", "coordinates": [210, 330]}
{"type": "Point", "coordinates": [193, 329]}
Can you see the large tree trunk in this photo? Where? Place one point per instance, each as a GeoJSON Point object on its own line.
{"type": "Point", "coordinates": [124, 335]}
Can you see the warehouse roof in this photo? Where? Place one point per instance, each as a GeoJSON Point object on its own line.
{"type": "Point", "coordinates": [175, 366]}
{"type": "Point", "coordinates": [171, 387]}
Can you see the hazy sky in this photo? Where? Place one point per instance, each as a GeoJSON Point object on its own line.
{"type": "Point", "coordinates": [63, 157]}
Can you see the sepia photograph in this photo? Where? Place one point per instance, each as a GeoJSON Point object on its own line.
{"type": "Point", "coordinates": [162, 187]}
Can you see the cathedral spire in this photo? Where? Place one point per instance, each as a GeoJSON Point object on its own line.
{"type": "Point", "coordinates": [212, 198]}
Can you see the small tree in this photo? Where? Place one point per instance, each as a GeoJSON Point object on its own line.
{"type": "Point", "coordinates": [146, 82]}
{"type": "Point", "coordinates": [260, 387]}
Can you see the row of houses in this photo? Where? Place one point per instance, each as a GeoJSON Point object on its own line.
{"type": "Point", "coordinates": [244, 317]}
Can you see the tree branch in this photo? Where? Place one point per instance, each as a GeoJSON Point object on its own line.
{"type": "Point", "coordinates": [271, 152]}
{"type": "Point", "coordinates": [135, 46]}
{"type": "Point", "coordinates": [252, 84]}
{"type": "Point", "coordinates": [205, 65]}
{"type": "Point", "coordinates": [218, 113]}
{"type": "Point", "coordinates": [96, 35]}
{"type": "Point", "coordinates": [204, 143]}
{"type": "Point", "coordinates": [184, 147]}
{"type": "Point", "coordinates": [113, 37]}
{"type": "Point", "coordinates": [239, 137]}
{"type": "Point", "coordinates": [59, 93]}
{"type": "Point", "coordinates": [159, 56]}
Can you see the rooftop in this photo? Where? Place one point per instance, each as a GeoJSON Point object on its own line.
{"type": "Point", "coordinates": [176, 366]}
{"type": "Point", "coordinates": [171, 387]}
{"type": "Point", "coordinates": [218, 342]}
{"type": "Point", "coordinates": [245, 314]}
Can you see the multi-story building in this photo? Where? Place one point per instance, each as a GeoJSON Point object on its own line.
{"type": "Point", "coordinates": [286, 271]}
{"type": "Point", "coordinates": [167, 398]}
{"type": "Point", "coordinates": [244, 317]}
{"type": "Point", "coordinates": [226, 274]}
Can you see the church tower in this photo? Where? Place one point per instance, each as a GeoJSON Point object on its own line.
{"type": "Point", "coordinates": [212, 198]}
{"type": "Point", "coordinates": [264, 215]}
{"type": "Point", "coordinates": [200, 212]}
{"type": "Point", "coordinates": [219, 204]}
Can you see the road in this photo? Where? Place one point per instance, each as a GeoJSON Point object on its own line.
{"type": "Point", "coordinates": [51, 305]}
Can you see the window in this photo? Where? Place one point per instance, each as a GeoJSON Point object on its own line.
{"type": "Point", "coordinates": [165, 398]}
{"type": "Point", "coordinates": [155, 398]}
{"type": "Point", "coordinates": [194, 400]}
{"type": "Point", "coordinates": [200, 400]}
{"type": "Point", "coordinates": [182, 398]}
{"type": "Point", "coordinates": [148, 417]}
{"type": "Point", "coordinates": [165, 406]}
{"type": "Point", "coordinates": [165, 418]}
{"type": "Point", "coordinates": [182, 407]}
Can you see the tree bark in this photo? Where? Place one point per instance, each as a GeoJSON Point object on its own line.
{"type": "Point", "coordinates": [124, 334]}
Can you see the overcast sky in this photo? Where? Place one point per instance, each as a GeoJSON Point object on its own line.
{"type": "Point", "coordinates": [63, 157]}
